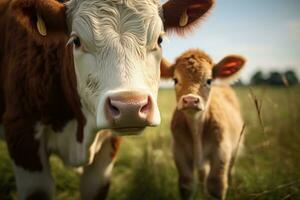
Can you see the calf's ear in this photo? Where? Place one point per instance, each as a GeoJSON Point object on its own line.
{"type": "Point", "coordinates": [43, 19]}
{"type": "Point", "coordinates": [228, 68]}
{"type": "Point", "coordinates": [182, 15]}
{"type": "Point", "coordinates": [166, 69]}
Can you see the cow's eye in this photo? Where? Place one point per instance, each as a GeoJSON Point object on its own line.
{"type": "Point", "coordinates": [159, 41]}
{"type": "Point", "coordinates": [175, 80]}
{"type": "Point", "coordinates": [77, 42]}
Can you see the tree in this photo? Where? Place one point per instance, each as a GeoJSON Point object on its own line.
{"type": "Point", "coordinates": [291, 77]}
{"type": "Point", "coordinates": [275, 78]}
{"type": "Point", "coordinates": [257, 78]}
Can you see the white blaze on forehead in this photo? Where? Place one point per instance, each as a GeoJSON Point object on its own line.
{"type": "Point", "coordinates": [119, 25]}
{"type": "Point", "coordinates": [119, 34]}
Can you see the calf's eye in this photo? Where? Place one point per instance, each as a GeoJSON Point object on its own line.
{"type": "Point", "coordinates": [175, 80]}
{"type": "Point", "coordinates": [208, 82]}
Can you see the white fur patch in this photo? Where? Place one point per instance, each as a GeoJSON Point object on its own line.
{"type": "Point", "coordinates": [65, 145]}
{"type": "Point", "coordinates": [30, 182]}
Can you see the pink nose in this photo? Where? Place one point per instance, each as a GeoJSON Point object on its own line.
{"type": "Point", "coordinates": [129, 110]}
{"type": "Point", "coordinates": [192, 102]}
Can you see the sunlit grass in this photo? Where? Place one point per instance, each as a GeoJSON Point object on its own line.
{"type": "Point", "coordinates": [269, 167]}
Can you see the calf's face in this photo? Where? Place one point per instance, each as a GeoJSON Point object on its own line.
{"type": "Point", "coordinates": [192, 78]}
{"type": "Point", "coordinates": [116, 51]}
{"type": "Point", "coordinates": [193, 74]}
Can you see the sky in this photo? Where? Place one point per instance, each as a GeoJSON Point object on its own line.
{"type": "Point", "coordinates": [266, 32]}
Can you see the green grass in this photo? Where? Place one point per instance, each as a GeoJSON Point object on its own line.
{"type": "Point", "coordinates": [269, 167]}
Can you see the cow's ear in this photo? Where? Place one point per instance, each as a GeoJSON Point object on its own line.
{"type": "Point", "coordinates": [228, 68]}
{"type": "Point", "coordinates": [44, 19]}
{"type": "Point", "coordinates": [166, 69]}
{"type": "Point", "coordinates": [182, 15]}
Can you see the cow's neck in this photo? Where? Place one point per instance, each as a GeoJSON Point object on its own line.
{"type": "Point", "coordinates": [80, 130]}
{"type": "Point", "coordinates": [194, 122]}
{"type": "Point", "coordinates": [71, 140]}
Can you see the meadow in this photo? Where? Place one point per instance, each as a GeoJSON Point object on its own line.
{"type": "Point", "coordinates": [268, 169]}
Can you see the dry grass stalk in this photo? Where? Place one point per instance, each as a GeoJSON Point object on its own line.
{"type": "Point", "coordinates": [285, 80]}
{"type": "Point", "coordinates": [258, 106]}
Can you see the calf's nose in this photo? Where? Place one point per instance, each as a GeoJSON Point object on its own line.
{"type": "Point", "coordinates": [191, 101]}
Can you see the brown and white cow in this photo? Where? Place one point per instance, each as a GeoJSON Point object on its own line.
{"type": "Point", "coordinates": [207, 123]}
{"type": "Point", "coordinates": [70, 70]}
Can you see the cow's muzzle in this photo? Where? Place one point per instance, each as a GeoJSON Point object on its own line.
{"type": "Point", "coordinates": [129, 111]}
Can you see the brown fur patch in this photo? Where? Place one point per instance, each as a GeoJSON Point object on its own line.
{"type": "Point", "coordinates": [23, 147]}
{"type": "Point", "coordinates": [102, 193]}
{"type": "Point", "coordinates": [3, 7]}
{"type": "Point", "coordinates": [52, 12]}
{"type": "Point", "coordinates": [166, 70]}
{"type": "Point", "coordinates": [38, 196]}
{"type": "Point", "coordinates": [182, 136]}
{"type": "Point", "coordinates": [38, 84]}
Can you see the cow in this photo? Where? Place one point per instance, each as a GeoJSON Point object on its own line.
{"type": "Point", "coordinates": [206, 125]}
{"type": "Point", "coordinates": [75, 76]}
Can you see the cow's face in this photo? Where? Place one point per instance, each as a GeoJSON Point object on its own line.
{"type": "Point", "coordinates": [193, 74]}
{"type": "Point", "coordinates": [116, 51]}
{"type": "Point", "coordinates": [117, 54]}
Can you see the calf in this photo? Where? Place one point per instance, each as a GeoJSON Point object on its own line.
{"type": "Point", "coordinates": [71, 70]}
{"type": "Point", "coordinates": [207, 123]}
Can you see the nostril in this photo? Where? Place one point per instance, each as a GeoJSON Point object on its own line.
{"type": "Point", "coordinates": [113, 109]}
{"type": "Point", "coordinates": [184, 100]}
{"type": "Point", "coordinates": [146, 107]}
{"type": "Point", "coordinates": [197, 100]}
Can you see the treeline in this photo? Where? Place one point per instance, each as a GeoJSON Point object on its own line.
{"type": "Point", "coordinates": [275, 78]}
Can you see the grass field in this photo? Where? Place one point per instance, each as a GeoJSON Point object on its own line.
{"type": "Point", "coordinates": [268, 169]}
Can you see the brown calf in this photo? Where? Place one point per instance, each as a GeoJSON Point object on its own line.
{"type": "Point", "coordinates": [207, 123]}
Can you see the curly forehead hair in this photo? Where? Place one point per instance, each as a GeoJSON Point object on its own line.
{"type": "Point", "coordinates": [196, 54]}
